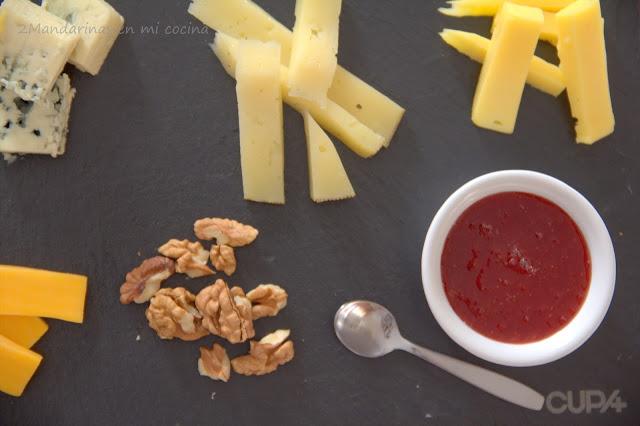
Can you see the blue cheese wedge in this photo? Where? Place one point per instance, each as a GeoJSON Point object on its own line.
{"type": "Point", "coordinates": [34, 47]}
{"type": "Point", "coordinates": [41, 127]}
{"type": "Point", "coordinates": [98, 25]}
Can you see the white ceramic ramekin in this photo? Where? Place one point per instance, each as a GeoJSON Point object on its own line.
{"type": "Point", "coordinates": [603, 272]}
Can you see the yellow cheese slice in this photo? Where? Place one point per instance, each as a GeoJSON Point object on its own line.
{"type": "Point", "coordinates": [583, 61]}
{"type": "Point", "coordinates": [17, 366]}
{"type": "Point", "coordinates": [328, 180]}
{"type": "Point", "coordinates": [505, 68]}
{"type": "Point", "coordinates": [261, 126]}
{"type": "Point", "coordinates": [459, 8]}
{"type": "Point", "coordinates": [549, 33]}
{"type": "Point", "coordinates": [245, 19]}
{"type": "Point", "coordinates": [25, 331]}
{"type": "Point", "coordinates": [333, 118]}
{"type": "Point", "coordinates": [542, 75]}
{"type": "Point", "coordinates": [39, 293]}
{"type": "Point", "coordinates": [314, 48]}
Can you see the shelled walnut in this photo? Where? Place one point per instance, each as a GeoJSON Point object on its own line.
{"type": "Point", "coordinates": [191, 257]}
{"type": "Point", "coordinates": [267, 300]}
{"type": "Point", "coordinates": [226, 313]}
{"type": "Point", "coordinates": [266, 355]}
{"type": "Point", "coordinates": [172, 313]}
{"type": "Point", "coordinates": [225, 231]}
{"type": "Point", "coordinates": [214, 363]}
{"type": "Point", "coordinates": [223, 258]}
{"type": "Point", "coordinates": [144, 281]}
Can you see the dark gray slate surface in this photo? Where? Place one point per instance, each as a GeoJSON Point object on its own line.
{"type": "Point", "coordinates": [153, 146]}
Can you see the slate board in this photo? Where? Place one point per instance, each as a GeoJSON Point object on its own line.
{"type": "Point", "coordinates": [153, 146]}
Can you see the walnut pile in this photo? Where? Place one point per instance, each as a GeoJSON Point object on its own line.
{"type": "Point", "coordinates": [191, 258]}
{"type": "Point", "coordinates": [217, 309]}
{"type": "Point", "coordinates": [226, 313]}
{"type": "Point", "coordinates": [172, 313]}
{"type": "Point", "coordinates": [225, 231]}
{"type": "Point", "coordinates": [214, 363]}
{"type": "Point", "coordinates": [266, 355]}
{"type": "Point", "coordinates": [145, 280]}
{"type": "Point", "coordinates": [267, 300]}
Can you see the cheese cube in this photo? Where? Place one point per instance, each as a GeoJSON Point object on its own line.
{"type": "Point", "coordinates": [39, 293]}
{"type": "Point", "coordinates": [34, 47]}
{"type": "Point", "coordinates": [314, 49]}
{"type": "Point", "coordinates": [261, 126]}
{"type": "Point", "coordinates": [459, 8]}
{"type": "Point", "coordinates": [328, 180]}
{"type": "Point", "coordinates": [583, 61]}
{"type": "Point", "coordinates": [98, 25]}
{"type": "Point", "coordinates": [38, 127]}
{"type": "Point", "coordinates": [245, 19]}
{"type": "Point", "coordinates": [17, 366]}
{"type": "Point", "coordinates": [25, 331]}
{"type": "Point", "coordinates": [542, 75]}
{"type": "Point", "coordinates": [505, 69]}
{"type": "Point", "coordinates": [336, 120]}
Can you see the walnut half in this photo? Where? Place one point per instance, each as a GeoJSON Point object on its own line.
{"type": "Point", "coordinates": [266, 355]}
{"type": "Point", "coordinates": [214, 363]}
{"type": "Point", "coordinates": [145, 280]}
{"type": "Point", "coordinates": [191, 257]}
{"type": "Point", "coordinates": [223, 258]}
{"type": "Point", "coordinates": [172, 313]}
{"type": "Point", "coordinates": [267, 300]}
{"type": "Point", "coordinates": [225, 231]}
{"type": "Point", "coordinates": [226, 313]}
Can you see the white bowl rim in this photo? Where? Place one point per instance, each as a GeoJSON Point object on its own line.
{"type": "Point", "coordinates": [603, 269]}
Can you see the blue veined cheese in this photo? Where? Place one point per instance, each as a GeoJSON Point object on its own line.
{"type": "Point", "coordinates": [40, 127]}
{"type": "Point", "coordinates": [34, 47]}
{"type": "Point", "coordinates": [98, 25]}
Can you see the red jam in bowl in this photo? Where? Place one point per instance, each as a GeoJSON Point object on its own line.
{"type": "Point", "coordinates": [515, 267]}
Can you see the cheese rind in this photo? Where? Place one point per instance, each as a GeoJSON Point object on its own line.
{"type": "Point", "coordinates": [460, 8]}
{"type": "Point", "coordinates": [328, 180]}
{"type": "Point", "coordinates": [244, 19]}
{"type": "Point", "coordinates": [261, 123]}
{"type": "Point", "coordinates": [542, 75]}
{"type": "Point", "coordinates": [336, 120]}
{"type": "Point", "coordinates": [17, 366]}
{"type": "Point", "coordinates": [314, 49]}
{"type": "Point", "coordinates": [34, 47]}
{"type": "Point", "coordinates": [583, 61]}
{"type": "Point", "coordinates": [40, 293]}
{"type": "Point", "coordinates": [25, 331]}
{"type": "Point", "coordinates": [38, 127]}
{"type": "Point", "coordinates": [504, 71]}
{"type": "Point", "coordinates": [98, 25]}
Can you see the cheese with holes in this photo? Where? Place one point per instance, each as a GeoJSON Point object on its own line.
{"type": "Point", "coordinates": [261, 126]}
{"type": "Point", "coordinates": [25, 331]}
{"type": "Point", "coordinates": [583, 61]}
{"type": "Point", "coordinates": [328, 180]}
{"type": "Point", "coordinates": [505, 68]}
{"type": "Point", "coordinates": [17, 366]}
{"type": "Point", "coordinates": [542, 75]}
{"type": "Point", "coordinates": [34, 47]}
{"type": "Point", "coordinates": [245, 19]}
{"type": "Point", "coordinates": [333, 118]}
{"type": "Point", "coordinates": [38, 127]}
{"type": "Point", "coordinates": [314, 49]}
{"type": "Point", "coordinates": [98, 25]}
{"type": "Point", "coordinates": [459, 8]}
{"type": "Point", "coordinates": [40, 293]}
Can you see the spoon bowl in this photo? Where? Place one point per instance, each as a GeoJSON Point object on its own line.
{"type": "Point", "coordinates": [366, 329]}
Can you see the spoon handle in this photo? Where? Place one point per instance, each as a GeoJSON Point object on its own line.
{"type": "Point", "coordinates": [493, 383]}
